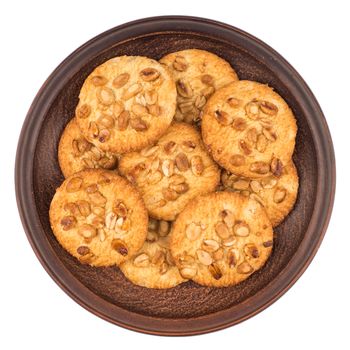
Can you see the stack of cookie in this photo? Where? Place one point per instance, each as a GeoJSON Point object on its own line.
{"type": "Point", "coordinates": [175, 170]}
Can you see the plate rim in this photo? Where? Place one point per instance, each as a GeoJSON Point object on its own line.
{"type": "Point", "coordinates": [302, 258]}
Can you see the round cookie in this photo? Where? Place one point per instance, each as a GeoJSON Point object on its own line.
{"type": "Point", "coordinates": [153, 266]}
{"type": "Point", "coordinates": [276, 194]}
{"type": "Point", "coordinates": [249, 129]}
{"type": "Point", "coordinates": [99, 217]}
{"type": "Point", "coordinates": [126, 103]}
{"type": "Point", "coordinates": [172, 172]}
{"type": "Point", "coordinates": [197, 74]}
{"type": "Point", "coordinates": [221, 238]}
{"type": "Point", "coordinates": [75, 153]}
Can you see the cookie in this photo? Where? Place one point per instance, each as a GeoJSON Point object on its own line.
{"type": "Point", "coordinates": [197, 74]}
{"type": "Point", "coordinates": [99, 217]}
{"type": "Point", "coordinates": [276, 194]}
{"type": "Point", "coordinates": [221, 238]}
{"type": "Point", "coordinates": [172, 172]}
{"type": "Point", "coordinates": [249, 129]}
{"type": "Point", "coordinates": [153, 266]}
{"type": "Point", "coordinates": [126, 103]}
{"type": "Point", "coordinates": [75, 153]}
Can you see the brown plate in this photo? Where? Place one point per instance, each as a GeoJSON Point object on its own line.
{"type": "Point", "coordinates": [189, 308]}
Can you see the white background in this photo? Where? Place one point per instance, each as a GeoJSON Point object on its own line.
{"type": "Point", "coordinates": [37, 35]}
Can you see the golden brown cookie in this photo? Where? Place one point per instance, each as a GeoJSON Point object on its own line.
{"type": "Point", "coordinates": [126, 104]}
{"type": "Point", "coordinates": [197, 74]}
{"type": "Point", "coordinates": [276, 194]}
{"type": "Point", "coordinates": [99, 217]}
{"type": "Point", "coordinates": [221, 238]}
{"type": "Point", "coordinates": [153, 265]}
{"type": "Point", "coordinates": [249, 129]}
{"type": "Point", "coordinates": [75, 153]}
{"type": "Point", "coordinates": [172, 172]}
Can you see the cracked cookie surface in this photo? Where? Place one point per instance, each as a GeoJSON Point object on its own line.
{"type": "Point", "coordinates": [198, 74]}
{"type": "Point", "coordinates": [172, 172]}
{"type": "Point", "coordinates": [153, 265]}
{"type": "Point", "coordinates": [75, 153]}
{"type": "Point", "coordinates": [98, 217]}
{"type": "Point", "coordinates": [220, 239]}
{"type": "Point", "coordinates": [126, 103]}
{"type": "Point", "coordinates": [249, 129]}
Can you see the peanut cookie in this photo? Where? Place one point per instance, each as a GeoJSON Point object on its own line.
{"type": "Point", "coordinates": [276, 194]}
{"type": "Point", "coordinates": [99, 217]}
{"type": "Point", "coordinates": [221, 238]}
{"type": "Point", "coordinates": [153, 266]}
{"type": "Point", "coordinates": [75, 153]}
{"type": "Point", "coordinates": [249, 129]}
{"type": "Point", "coordinates": [197, 74]}
{"type": "Point", "coordinates": [172, 172]}
{"type": "Point", "coordinates": [126, 104]}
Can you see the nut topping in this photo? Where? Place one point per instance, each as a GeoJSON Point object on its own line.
{"type": "Point", "coordinates": [176, 179]}
{"type": "Point", "coordinates": [244, 147]}
{"type": "Point", "coordinates": [131, 91]}
{"type": "Point", "coordinates": [170, 194]}
{"type": "Point", "coordinates": [239, 124]}
{"type": "Point", "coordinates": [276, 167]}
{"type": "Point", "coordinates": [210, 245]}
{"type": "Point", "coordinates": [169, 148]}
{"type": "Point", "coordinates": [164, 228]}
{"type": "Point", "coordinates": [87, 231]}
{"type": "Point", "coordinates": [181, 162]}
{"type": "Point", "coordinates": [155, 110]}
{"type": "Point", "coordinates": [104, 135]}
{"type": "Point", "coordinates": [141, 260]}
{"type": "Point", "coordinates": [68, 222]}
{"type": "Point", "coordinates": [83, 111]}
{"type": "Point", "coordinates": [197, 166]}
{"type": "Point", "coordinates": [149, 151]}
{"type": "Point", "coordinates": [228, 218]}
{"type": "Point", "coordinates": [193, 231]}
{"type": "Point", "coordinates": [255, 186]}
{"type": "Point", "coordinates": [83, 250]}
{"type": "Point", "coordinates": [261, 143]}
{"type": "Point", "coordinates": [223, 117]}
{"type": "Point", "coordinates": [139, 110]}
{"type": "Point", "coordinates": [74, 184]}
{"type": "Point", "coordinates": [268, 108]}
{"type": "Point", "coordinates": [180, 188]}
{"type": "Point", "coordinates": [184, 89]}
{"type": "Point", "coordinates": [121, 80]}
{"type": "Point", "coordinates": [241, 184]}
{"type": "Point", "coordinates": [84, 208]}
{"type": "Point", "coordinates": [279, 195]}
{"type": "Point", "coordinates": [123, 120]}
{"type": "Point", "coordinates": [188, 146]}
{"type": "Point", "coordinates": [222, 230]}
{"type": "Point", "coordinates": [105, 96]}
{"type": "Point", "coordinates": [233, 102]}
{"type": "Point", "coordinates": [110, 221]}
{"type": "Point", "coordinates": [149, 74]}
{"type": "Point", "coordinates": [118, 108]}
{"type": "Point", "coordinates": [233, 257]}
{"type": "Point", "coordinates": [268, 182]}
{"type": "Point", "coordinates": [252, 110]}
{"type": "Point", "coordinates": [259, 168]}
{"type": "Point", "coordinates": [215, 271]}
{"type": "Point", "coordinates": [244, 268]}
{"type": "Point", "coordinates": [106, 120]}
{"type": "Point", "coordinates": [158, 258]}
{"type": "Point", "coordinates": [138, 124]}
{"type": "Point", "coordinates": [168, 167]}
{"type": "Point", "coordinates": [207, 79]}
{"type": "Point", "coordinates": [98, 80]}
{"type": "Point", "coordinates": [204, 257]}
{"type": "Point", "coordinates": [241, 229]}
{"type": "Point", "coordinates": [251, 251]}
{"type": "Point", "coordinates": [188, 272]}
{"type": "Point", "coordinates": [120, 247]}
{"type": "Point", "coordinates": [180, 63]}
